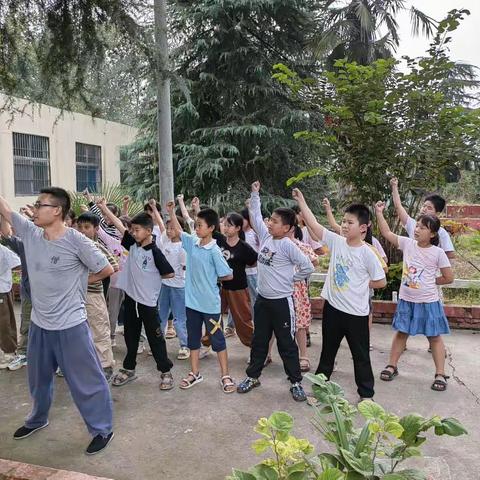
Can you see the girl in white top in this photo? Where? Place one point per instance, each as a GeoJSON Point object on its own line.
{"type": "Point", "coordinates": [419, 309]}
{"type": "Point", "coordinates": [172, 293]}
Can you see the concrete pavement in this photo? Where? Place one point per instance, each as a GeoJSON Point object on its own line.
{"type": "Point", "coordinates": [202, 433]}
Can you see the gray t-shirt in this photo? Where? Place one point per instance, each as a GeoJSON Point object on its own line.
{"type": "Point", "coordinates": [58, 272]}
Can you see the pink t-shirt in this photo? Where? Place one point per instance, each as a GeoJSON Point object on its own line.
{"type": "Point", "coordinates": [114, 245]}
{"type": "Point", "coordinates": [420, 267]}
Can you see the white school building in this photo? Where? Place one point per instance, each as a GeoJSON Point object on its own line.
{"type": "Point", "coordinates": [41, 146]}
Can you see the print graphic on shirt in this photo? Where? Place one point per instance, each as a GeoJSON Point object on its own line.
{"type": "Point", "coordinates": [411, 277]}
{"type": "Point", "coordinates": [265, 257]}
{"type": "Point", "coordinates": [227, 254]}
{"type": "Point", "coordinates": [342, 280]}
{"type": "Point", "coordinates": [54, 259]}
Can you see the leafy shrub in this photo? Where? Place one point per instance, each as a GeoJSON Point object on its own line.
{"type": "Point", "coordinates": [372, 452]}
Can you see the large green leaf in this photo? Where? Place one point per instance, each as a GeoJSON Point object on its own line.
{"type": "Point", "coordinates": [331, 474]}
{"type": "Point", "coordinates": [264, 472]}
{"type": "Point", "coordinates": [452, 427]}
{"type": "Point", "coordinates": [371, 410]}
{"type": "Point", "coordinates": [281, 421]}
{"type": "Point", "coordinates": [362, 465]}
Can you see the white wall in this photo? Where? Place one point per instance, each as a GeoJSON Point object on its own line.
{"type": "Point", "coordinates": [63, 130]}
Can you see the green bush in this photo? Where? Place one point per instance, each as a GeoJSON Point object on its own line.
{"type": "Point", "coordinates": [373, 452]}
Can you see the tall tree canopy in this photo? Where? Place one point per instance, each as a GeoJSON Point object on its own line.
{"type": "Point", "coordinates": [232, 122]}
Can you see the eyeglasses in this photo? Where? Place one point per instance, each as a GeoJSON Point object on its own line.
{"type": "Point", "coordinates": [38, 205]}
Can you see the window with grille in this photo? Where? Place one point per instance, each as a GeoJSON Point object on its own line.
{"type": "Point", "coordinates": [31, 163]}
{"type": "Point", "coordinates": [89, 167]}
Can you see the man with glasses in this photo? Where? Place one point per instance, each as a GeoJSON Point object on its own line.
{"type": "Point", "coordinates": [59, 260]}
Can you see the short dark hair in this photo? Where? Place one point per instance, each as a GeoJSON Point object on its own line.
{"type": "Point", "coordinates": [437, 201]}
{"type": "Point", "coordinates": [61, 196]}
{"type": "Point", "coordinates": [113, 208]}
{"type": "Point", "coordinates": [287, 215]}
{"type": "Point", "coordinates": [148, 208]}
{"type": "Point", "coordinates": [143, 219]}
{"type": "Point", "coordinates": [360, 211]}
{"type": "Point", "coordinates": [210, 216]}
{"type": "Point", "coordinates": [433, 224]}
{"type": "Point", "coordinates": [89, 217]}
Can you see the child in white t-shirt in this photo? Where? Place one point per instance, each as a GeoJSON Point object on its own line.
{"type": "Point", "coordinates": [354, 269]}
{"type": "Point", "coordinates": [172, 293]}
{"type": "Point", "coordinates": [419, 309]}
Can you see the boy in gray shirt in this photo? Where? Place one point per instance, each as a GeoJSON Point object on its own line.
{"type": "Point", "coordinates": [59, 260]}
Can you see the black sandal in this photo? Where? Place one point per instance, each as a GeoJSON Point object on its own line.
{"type": "Point", "coordinates": [387, 375]}
{"type": "Point", "coordinates": [438, 384]}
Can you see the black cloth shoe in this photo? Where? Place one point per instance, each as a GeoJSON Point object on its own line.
{"type": "Point", "coordinates": [98, 444]}
{"type": "Point", "coordinates": [298, 393]}
{"type": "Point", "coordinates": [24, 432]}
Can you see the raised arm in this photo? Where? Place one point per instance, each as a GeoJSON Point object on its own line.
{"type": "Point", "coordinates": [330, 217]}
{"type": "Point", "coordinates": [5, 228]}
{"type": "Point", "coordinates": [183, 208]}
{"type": "Point", "coordinates": [308, 216]}
{"type": "Point", "coordinates": [157, 218]}
{"type": "Point", "coordinates": [383, 225]}
{"type": "Point", "coordinates": [195, 205]}
{"type": "Point", "coordinates": [255, 212]}
{"type": "Point", "coordinates": [102, 205]}
{"type": "Point", "coordinates": [5, 210]}
{"type": "Point", "coordinates": [397, 201]}
{"type": "Point", "coordinates": [125, 205]}
{"type": "Point", "coordinates": [174, 224]}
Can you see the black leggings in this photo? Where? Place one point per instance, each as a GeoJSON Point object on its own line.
{"type": "Point", "coordinates": [335, 326]}
{"type": "Point", "coordinates": [135, 315]}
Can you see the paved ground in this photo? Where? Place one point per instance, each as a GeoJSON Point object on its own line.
{"type": "Point", "coordinates": [202, 433]}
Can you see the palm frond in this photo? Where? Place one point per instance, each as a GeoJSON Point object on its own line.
{"type": "Point", "coordinates": [367, 22]}
{"type": "Point", "coordinates": [422, 22]}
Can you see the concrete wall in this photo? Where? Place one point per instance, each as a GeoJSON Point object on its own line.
{"type": "Point", "coordinates": [63, 130]}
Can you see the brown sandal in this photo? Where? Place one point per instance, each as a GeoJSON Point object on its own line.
{"type": "Point", "coordinates": [304, 364]}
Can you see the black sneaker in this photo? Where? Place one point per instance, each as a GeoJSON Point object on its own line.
{"type": "Point", "coordinates": [98, 444]}
{"type": "Point", "coordinates": [298, 393]}
{"type": "Point", "coordinates": [24, 432]}
{"type": "Point", "coordinates": [248, 384]}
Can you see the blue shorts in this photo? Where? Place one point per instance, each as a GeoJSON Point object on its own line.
{"type": "Point", "coordinates": [213, 326]}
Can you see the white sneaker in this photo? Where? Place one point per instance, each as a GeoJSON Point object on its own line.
{"type": "Point", "coordinates": [119, 329]}
{"type": "Point", "coordinates": [183, 353]}
{"type": "Point", "coordinates": [5, 360]}
{"type": "Point", "coordinates": [18, 362]}
{"type": "Point", "coordinates": [141, 348]}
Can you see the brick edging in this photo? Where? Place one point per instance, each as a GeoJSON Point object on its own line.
{"type": "Point", "coordinates": [459, 316]}
{"type": "Point", "coordinates": [10, 470]}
